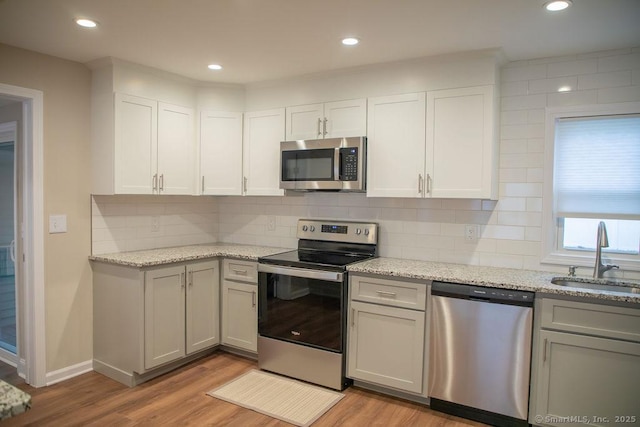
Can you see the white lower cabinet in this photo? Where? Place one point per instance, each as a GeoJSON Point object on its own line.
{"type": "Point", "coordinates": [240, 305]}
{"type": "Point", "coordinates": [580, 379]}
{"type": "Point", "coordinates": [147, 319]}
{"type": "Point", "coordinates": [386, 342]}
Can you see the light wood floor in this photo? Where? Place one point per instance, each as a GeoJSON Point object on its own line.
{"type": "Point", "coordinates": [179, 398]}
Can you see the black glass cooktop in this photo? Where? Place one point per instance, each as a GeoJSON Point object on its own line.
{"type": "Point", "coordinates": [314, 259]}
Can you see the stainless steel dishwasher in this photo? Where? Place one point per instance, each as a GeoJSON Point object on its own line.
{"type": "Point", "coordinates": [480, 355]}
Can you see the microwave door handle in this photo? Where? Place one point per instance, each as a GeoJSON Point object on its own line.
{"type": "Point", "coordinates": [329, 276]}
{"type": "Point", "coordinates": [336, 165]}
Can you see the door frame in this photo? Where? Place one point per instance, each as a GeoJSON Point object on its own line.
{"type": "Point", "coordinates": [33, 355]}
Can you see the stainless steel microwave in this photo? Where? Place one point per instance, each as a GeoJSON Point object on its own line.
{"type": "Point", "coordinates": [332, 164]}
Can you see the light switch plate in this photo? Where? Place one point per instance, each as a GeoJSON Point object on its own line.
{"type": "Point", "coordinates": [57, 224]}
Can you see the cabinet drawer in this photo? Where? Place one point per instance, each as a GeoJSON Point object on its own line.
{"type": "Point", "coordinates": [243, 271]}
{"type": "Point", "coordinates": [389, 292]}
{"type": "Point", "coordinates": [591, 319]}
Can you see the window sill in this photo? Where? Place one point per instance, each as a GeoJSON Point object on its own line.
{"type": "Point", "coordinates": [588, 260]}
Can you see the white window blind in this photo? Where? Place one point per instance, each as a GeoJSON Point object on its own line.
{"type": "Point", "coordinates": [597, 167]}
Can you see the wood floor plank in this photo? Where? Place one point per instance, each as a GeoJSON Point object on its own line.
{"type": "Point", "coordinates": [179, 398]}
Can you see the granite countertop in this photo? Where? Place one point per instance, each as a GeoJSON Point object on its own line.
{"type": "Point", "coordinates": [13, 401]}
{"type": "Point", "coordinates": [506, 278]}
{"type": "Point", "coordinates": [153, 257]}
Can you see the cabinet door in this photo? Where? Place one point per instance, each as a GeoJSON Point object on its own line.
{"type": "Point", "coordinates": [164, 322]}
{"type": "Point", "coordinates": [460, 134]}
{"type": "Point", "coordinates": [345, 118]}
{"type": "Point", "coordinates": [396, 146]}
{"type": "Point", "coordinates": [240, 315]}
{"type": "Point", "coordinates": [386, 346]}
{"type": "Point", "coordinates": [581, 376]}
{"type": "Point", "coordinates": [136, 141]}
{"type": "Point", "coordinates": [220, 153]}
{"type": "Point", "coordinates": [176, 150]}
{"type": "Point", "coordinates": [304, 122]}
{"type": "Point", "coordinates": [263, 132]}
{"type": "Point", "coordinates": [203, 306]}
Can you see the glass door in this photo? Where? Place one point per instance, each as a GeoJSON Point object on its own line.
{"type": "Point", "coordinates": [8, 341]}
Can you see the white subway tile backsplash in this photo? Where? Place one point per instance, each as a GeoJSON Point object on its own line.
{"type": "Point", "coordinates": [604, 80]}
{"type": "Point", "coordinates": [510, 229]}
{"type": "Point", "coordinates": [553, 85]}
{"type": "Point", "coordinates": [572, 68]}
{"type": "Point", "coordinates": [619, 94]}
{"type": "Point", "coordinates": [565, 99]}
{"type": "Point", "coordinates": [523, 73]}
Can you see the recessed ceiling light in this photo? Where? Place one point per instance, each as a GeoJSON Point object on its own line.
{"type": "Point", "coordinates": [87, 23]}
{"type": "Point", "coordinates": [556, 5]}
{"type": "Point", "coordinates": [350, 41]}
{"type": "Point", "coordinates": [214, 67]}
{"type": "Point", "coordinates": [564, 89]}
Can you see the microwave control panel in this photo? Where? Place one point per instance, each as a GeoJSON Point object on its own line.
{"type": "Point", "coordinates": [349, 164]}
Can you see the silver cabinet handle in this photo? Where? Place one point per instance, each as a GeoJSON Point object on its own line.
{"type": "Point", "coordinates": [191, 279]}
{"type": "Point", "coordinates": [162, 182]}
{"type": "Point", "coordinates": [329, 276]}
{"type": "Point", "coordinates": [244, 184]}
{"type": "Point", "coordinates": [319, 124]}
{"type": "Point", "coordinates": [154, 182]}
{"type": "Point", "coordinates": [324, 127]}
{"type": "Point", "coordinates": [202, 185]}
{"type": "Point", "coordinates": [386, 294]}
{"type": "Point", "coordinates": [353, 317]}
{"type": "Point", "coordinates": [419, 183]}
{"type": "Point", "coordinates": [182, 280]}
{"type": "Point", "coordinates": [253, 299]}
{"type": "Point", "coordinates": [428, 183]}
{"type": "Point", "coordinates": [239, 272]}
{"type": "Point", "coordinates": [544, 354]}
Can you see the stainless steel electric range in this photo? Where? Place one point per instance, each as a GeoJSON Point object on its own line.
{"type": "Point", "coordinates": [302, 305]}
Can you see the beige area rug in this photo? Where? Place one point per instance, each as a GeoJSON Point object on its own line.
{"type": "Point", "coordinates": [289, 400]}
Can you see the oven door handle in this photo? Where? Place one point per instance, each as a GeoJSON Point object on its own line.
{"type": "Point", "coordinates": [330, 276]}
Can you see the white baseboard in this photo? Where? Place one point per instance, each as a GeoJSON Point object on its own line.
{"type": "Point", "coordinates": [69, 372]}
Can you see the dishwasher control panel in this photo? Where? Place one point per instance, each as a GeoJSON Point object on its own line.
{"type": "Point", "coordinates": [496, 295]}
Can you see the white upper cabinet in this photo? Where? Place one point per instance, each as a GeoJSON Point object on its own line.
{"type": "Point", "coordinates": [220, 153]}
{"type": "Point", "coordinates": [439, 144]}
{"type": "Point", "coordinates": [154, 147]}
{"type": "Point", "coordinates": [136, 136]}
{"type": "Point", "coordinates": [330, 120]}
{"type": "Point", "coordinates": [176, 150]}
{"type": "Point", "coordinates": [396, 145]}
{"type": "Point", "coordinates": [263, 131]}
{"type": "Point", "coordinates": [461, 137]}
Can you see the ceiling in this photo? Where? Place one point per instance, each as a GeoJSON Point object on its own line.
{"type": "Point", "coordinates": [257, 40]}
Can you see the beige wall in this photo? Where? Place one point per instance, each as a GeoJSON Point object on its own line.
{"type": "Point", "coordinates": [68, 297]}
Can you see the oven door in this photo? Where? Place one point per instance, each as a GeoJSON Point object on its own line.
{"type": "Point", "coordinates": [302, 306]}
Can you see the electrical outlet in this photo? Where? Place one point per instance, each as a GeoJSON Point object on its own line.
{"type": "Point", "coordinates": [271, 223]}
{"type": "Point", "coordinates": [470, 232]}
{"type": "Point", "coordinates": [155, 223]}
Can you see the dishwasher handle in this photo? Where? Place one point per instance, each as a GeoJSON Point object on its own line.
{"type": "Point", "coordinates": [483, 294]}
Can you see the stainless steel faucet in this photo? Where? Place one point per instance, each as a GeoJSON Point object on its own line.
{"type": "Point", "coordinates": [602, 241]}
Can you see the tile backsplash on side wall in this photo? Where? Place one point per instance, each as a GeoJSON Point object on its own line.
{"type": "Point", "coordinates": [510, 229]}
{"type": "Point", "coordinates": [130, 223]}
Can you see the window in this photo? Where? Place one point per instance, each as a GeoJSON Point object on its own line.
{"type": "Point", "coordinates": [596, 177]}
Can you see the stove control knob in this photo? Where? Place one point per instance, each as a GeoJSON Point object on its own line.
{"type": "Point", "coordinates": [366, 231]}
{"type": "Point", "coordinates": [305, 228]}
{"type": "Point", "coordinates": [312, 228]}
{"type": "Point", "coordinates": [358, 231]}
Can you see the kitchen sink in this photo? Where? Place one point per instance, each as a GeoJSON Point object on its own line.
{"type": "Point", "coordinates": [599, 285]}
